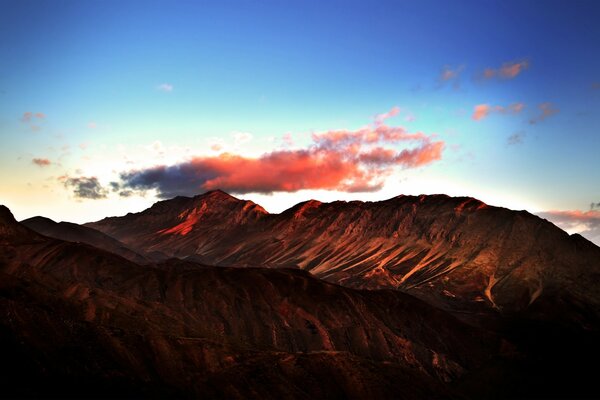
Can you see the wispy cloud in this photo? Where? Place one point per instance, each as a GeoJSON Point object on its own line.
{"type": "Point", "coordinates": [586, 223]}
{"type": "Point", "coordinates": [546, 110]}
{"type": "Point", "coordinates": [481, 111]}
{"type": "Point", "coordinates": [507, 70]}
{"type": "Point", "coordinates": [85, 187]}
{"type": "Point", "coordinates": [240, 138]}
{"type": "Point", "coordinates": [380, 118]}
{"type": "Point", "coordinates": [450, 75]}
{"type": "Point", "coordinates": [515, 138]}
{"type": "Point", "coordinates": [595, 85]}
{"type": "Point", "coordinates": [41, 162]}
{"type": "Point", "coordinates": [92, 125]}
{"type": "Point", "coordinates": [31, 118]}
{"type": "Point", "coordinates": [351, 161]}
{"type": "Point", "coordinates": [165, 87]}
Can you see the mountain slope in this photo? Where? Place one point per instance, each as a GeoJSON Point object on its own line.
{"type": "Point", "coordinates": [457, 253]}
{"type": "Point", "coordinates": [77, 233]}
{"type": "Point", "coordinates": [75, 319]}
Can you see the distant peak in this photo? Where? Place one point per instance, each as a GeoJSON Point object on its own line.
{"type": "Point", "coordinates": [6, 217]}
{"type": "Point", "coordinates": [38, 219]}
{"type": "Point", "coordinates": [217, 193]}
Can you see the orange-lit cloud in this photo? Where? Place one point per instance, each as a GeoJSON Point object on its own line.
{"type": "Point", "coordinates": [508, 70]}
{"type": "Point", "coordinates": [379, 118]}
{"type": "Point", "coordinates": [342, 160]}
{"type": "Point", "coordinates": [481, 111]}
{"type": "Point", "coordinates": [546, 110]}
{"type": "Point", "coordinates": [586, 223]}
{"type": "Point", "coordinates": [41, 162]}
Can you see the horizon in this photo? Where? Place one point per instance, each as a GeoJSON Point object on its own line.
{"type": "Point", "coordinates": [123, 104]}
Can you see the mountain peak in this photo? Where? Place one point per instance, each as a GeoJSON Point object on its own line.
{"type": "Point", "coordinates": [217, 194]}
{"type": "Point", "coordinates": [10, 228]}
{"type": "Point", "coordinates": [6, 217]}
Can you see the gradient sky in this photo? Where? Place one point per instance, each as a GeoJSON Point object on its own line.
{"type": "Point", "coordinates": [106, 106]}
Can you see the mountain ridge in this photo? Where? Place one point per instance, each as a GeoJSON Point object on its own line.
{"type": "Point", "coordinates": [456, 252]}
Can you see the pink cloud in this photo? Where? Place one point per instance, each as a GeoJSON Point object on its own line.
{"type": "Point", "coordinates": [379, 118]}
{"type": "Point", "coordinates": [482, 111]}
{"type": "Point", "coordinates": [41, 162]}
{"type": "Point", "coordinates": [507, 70]}
{"type": "Point", "coordinates": [336, 160]}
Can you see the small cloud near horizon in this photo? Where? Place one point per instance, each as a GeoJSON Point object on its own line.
{"type": "Point", "coordinates": [41, 162]}
{"type": "Point", "coordinates": [85, 187]}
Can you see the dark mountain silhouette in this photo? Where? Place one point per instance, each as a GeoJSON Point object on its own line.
{"type": "Point", "coordinates": [455, 252]}
{"type": "Point", "coordinates": [70, 232]}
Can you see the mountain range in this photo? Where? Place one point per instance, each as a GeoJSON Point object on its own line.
{"type": "Point", "coordinates": [212, 296]}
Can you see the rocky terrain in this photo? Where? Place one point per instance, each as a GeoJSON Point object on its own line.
{"type": "Point", "coordinates": [213, 297]}
{"type": "Point", "coordinates": [457, 253]}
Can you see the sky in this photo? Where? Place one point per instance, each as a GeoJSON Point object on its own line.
{"type": "Point", "coordinates": [109, 106]}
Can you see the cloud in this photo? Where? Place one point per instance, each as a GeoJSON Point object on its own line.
{"type": "Point", "coordinates": [516, 138]}
{"type": "Point", "coordinates": [29, 116]}
{"type": "Point", "coordinates": [41, 162]}
{"type": "Point", "coordinates": [379, 118]}
{"type": "Point", "coordinates": [351, 161]}
{"type": "Point", "coordinates": [288, 140]}
{"type": "Point", "coordinates": [241, 137]}
{"type": "Point", "coordinates": [92, 125]}
{"type": "Point", "coordinates": [165, 87]}
{"type": "Point", "coordinates": [586, 223]}
{"type": "Point", "coordinates": [546, 110]}
{"type": "Point", "coordinates": [595, 206]}
{"type": "Point", "coordinates": [449, 74]}
{"type": "Point", "coordinates": [508, 70]}
{"type": "Point", "coordinates": [481, 111]}
{"type": "Point", "coordinates": [85, 187]}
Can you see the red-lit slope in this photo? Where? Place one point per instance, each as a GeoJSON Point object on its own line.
{"type": "Point", "coordinates": [458, 253]}
{"type": "Point", "coordinates": [77, 320]}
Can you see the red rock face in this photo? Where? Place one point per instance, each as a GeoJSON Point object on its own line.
{"type": "Point", "coordinates": [76, 320]}
{"type": "Point", "coordinates": [69, 310]}
{"type": "Point", "coordinates": [456, 253]}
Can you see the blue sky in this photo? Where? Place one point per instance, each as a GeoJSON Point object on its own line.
{"type": "Point", "coordinates": [122, 86]}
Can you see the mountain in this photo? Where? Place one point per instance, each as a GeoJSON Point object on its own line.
{"type": "Point", "coordinates": [77, 233]}
{"type": "Point", "coordinates": [76, 320]}
{"type": "Point", "coordinates": [455, 252]}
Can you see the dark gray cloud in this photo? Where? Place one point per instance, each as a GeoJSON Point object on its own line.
{"type": "Point", "coordinates": [516, 138]}
{"type": "Point", "coordinates": [85, 187]}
